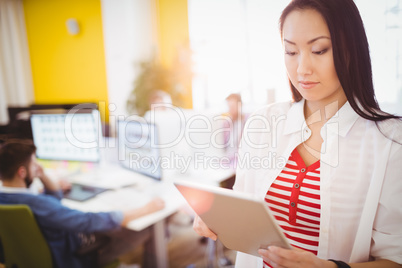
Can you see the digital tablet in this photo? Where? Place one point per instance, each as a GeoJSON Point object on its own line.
{"type": "Point", "coordinates": [240, 221]}
{"type": "Point", "coordinates": [82, 193]}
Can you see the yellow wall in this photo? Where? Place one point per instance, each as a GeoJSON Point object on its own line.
{"type": "Point", "coordinates": [71, 69]}
{"type": "Point", "coordinates": [66, 68]}
{"type": "Point", "coordinates": [173, 37]}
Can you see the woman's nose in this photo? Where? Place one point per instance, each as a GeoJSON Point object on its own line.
{"type": "Point", "coordinates": [304, 66]}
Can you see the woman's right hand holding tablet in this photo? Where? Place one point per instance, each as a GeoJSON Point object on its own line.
{"type": "Point", "coordinates": [202, 229]}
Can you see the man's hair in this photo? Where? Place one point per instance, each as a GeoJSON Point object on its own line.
{"type": "Point", "coordinates": [13, 155]}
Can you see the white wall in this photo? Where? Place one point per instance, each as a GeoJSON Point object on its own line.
{"type": "Point", "coordinates": [129, 31]}
{"type": "Point", "coordinates": [384, 34]}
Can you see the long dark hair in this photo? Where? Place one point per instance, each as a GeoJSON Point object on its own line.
{"type": "Point", "coordinates": [350, 51]}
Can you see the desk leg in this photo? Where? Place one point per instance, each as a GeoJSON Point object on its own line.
{"type": "Point", "coordinates": [160, 244]}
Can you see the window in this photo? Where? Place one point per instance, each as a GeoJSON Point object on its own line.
{"type": "Point", "coordinates": [237, 48]}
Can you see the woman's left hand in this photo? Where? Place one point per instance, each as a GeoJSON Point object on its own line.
{"type": "Point", "coordinates": [293, 258]}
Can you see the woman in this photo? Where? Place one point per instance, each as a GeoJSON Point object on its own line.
{"type": "Point", "coordinates": [338, 198]}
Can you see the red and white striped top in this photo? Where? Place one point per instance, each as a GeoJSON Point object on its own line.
{"type": "Point", "coordinates": [294, 199]}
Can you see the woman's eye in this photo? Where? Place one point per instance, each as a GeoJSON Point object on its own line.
{"type": "Point", "coordinates": [320, 52]}
{"type": "Point", "coordinates": [290, 53]}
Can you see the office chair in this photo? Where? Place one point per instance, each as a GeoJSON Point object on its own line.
{"type": "Point", "coordinates": [22, 241]}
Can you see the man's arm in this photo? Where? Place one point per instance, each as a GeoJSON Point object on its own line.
{"type": "Point", "coordinates": [48, 184]}
{"type": "Point", "coordinates": [70, 218]}
{"type": "Point", "coordinates": [50, 213]}
{"type": "Point", "coordinates": [153, 206]}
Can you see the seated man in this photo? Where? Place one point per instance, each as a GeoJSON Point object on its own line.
{"type": "Point", "coordinates": [69, 233]}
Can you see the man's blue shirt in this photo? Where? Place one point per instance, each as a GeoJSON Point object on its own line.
{"type": "Point", "coordinates": [60, 225]}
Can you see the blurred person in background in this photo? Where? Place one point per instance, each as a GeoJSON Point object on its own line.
{"type": "Point", "coordinates": [233, 126]}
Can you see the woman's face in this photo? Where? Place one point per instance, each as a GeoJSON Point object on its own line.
{"type": "Point", "coordinates": [308, 57]}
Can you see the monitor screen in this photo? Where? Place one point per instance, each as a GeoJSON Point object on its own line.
{"type": "Point", "coordinates": [70, 136]}
{"type": "Point", "coordinates": [138, 150]}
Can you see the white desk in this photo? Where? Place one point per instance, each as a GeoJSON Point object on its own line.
{"type": "Point", "coordinates": [139, 191]}
{"type": "Point", "coordinates": [136, 196]}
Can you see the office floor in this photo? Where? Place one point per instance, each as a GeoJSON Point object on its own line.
{"type": "Point", "coordinates": [186, 250]}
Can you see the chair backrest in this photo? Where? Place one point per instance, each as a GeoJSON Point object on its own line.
{"type": "Point", "coordinates": [23, 242]}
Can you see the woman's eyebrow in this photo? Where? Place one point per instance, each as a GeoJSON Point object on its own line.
{"type": "Point", "coordinates": [309, 42]}
{"type": "Point", "coordinates": [317, 38]}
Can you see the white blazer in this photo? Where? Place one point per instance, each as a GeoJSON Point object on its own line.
{"type": "Point", "coordinates": [361, 178]}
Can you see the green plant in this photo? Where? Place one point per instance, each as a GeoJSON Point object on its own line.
{"type": "Point", "coordinates": [153, 76]}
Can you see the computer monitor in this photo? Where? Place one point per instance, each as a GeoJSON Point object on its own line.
{"type": "Point", "coordinates": [70, 136]}
{"type": "Point", "coordinates": [138, 150]}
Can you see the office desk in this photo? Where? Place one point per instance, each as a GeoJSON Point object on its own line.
{"type": "Point", "coordinates": [134, 196]}
{"type": "Point", "coordinates": [137, 191]}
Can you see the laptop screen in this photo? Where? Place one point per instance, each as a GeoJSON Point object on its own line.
{"type": "Point", "coordinates": [67, 136]}
{"type": "Point", "coordinates": [138, 150]}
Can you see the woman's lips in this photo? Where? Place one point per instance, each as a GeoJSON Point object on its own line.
{"type": "Point", "coordinates": [307, 84]}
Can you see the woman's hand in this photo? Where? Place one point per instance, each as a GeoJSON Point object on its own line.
{"type": "Point", "coordinates": [202, 229]}
{"type": "Point", "coordinates": [293, 258]}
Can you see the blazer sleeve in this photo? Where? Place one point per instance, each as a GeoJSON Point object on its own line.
{"type": "Point", "coordinates": [387, 228]}
{"type": "Point", "coordinates": [50, 213]}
